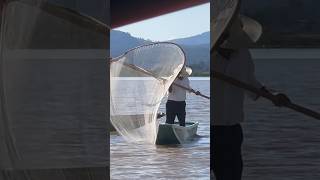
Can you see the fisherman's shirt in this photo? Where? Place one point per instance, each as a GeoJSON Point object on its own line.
{"type": "Point", "coordinates": [228, 99]}
{"type": "Point", "coordinates": [177, 93]}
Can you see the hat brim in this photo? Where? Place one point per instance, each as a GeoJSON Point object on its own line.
{"type": "Point", "coordinates": [243, 32]}
{"type": "Point", "coordinates": [252, 28]}
{"type": "Point", "coordinates": [186, 71]}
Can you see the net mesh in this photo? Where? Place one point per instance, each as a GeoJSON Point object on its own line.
{"type": "Point", "coordinates": [139, 80]}
{"type": "Point", "coordinates": [222, 12]}
{"type": "Point", "coordinates": [52, 89]}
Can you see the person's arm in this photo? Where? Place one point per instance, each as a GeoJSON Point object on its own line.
{"type": "Point", "coordinates": [170, 89]}
{"type": "Point", "coordinates": [189, 87]}
{"type": "Point", "coordinates": [252, 79]}
{"type": "Point", "coordinates": [193, 91]}
{"type": "Point", "coordinates": [279, 99]}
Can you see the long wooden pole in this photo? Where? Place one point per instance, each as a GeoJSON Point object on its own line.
{"type": "Point", "coordinates": [152, 75]}
{"type": "Point", "coordinates": [69, 15]}
{"type": "Point", "coordinates": [191, 90]}
{"type": "Point", "coordinates": [264, 94]}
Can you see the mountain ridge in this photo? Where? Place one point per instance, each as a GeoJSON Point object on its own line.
{"type": "Point", "coordinates": [197, 53]}
{"type": "Point", "coordinates": [203, 38]}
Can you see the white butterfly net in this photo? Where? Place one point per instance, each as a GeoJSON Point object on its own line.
{"type": "Point", "coordinates": [139, 80]}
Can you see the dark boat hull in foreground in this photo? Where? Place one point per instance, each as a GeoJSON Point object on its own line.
{"type": "Point", "coordinates": [175, 134]}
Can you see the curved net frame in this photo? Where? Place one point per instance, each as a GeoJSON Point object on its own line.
{"type": "Point", "coordinates": [222, 14]}
{"type": "Point", "coordinates": [139, 80]}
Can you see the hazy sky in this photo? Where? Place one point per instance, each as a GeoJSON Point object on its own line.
{"type": "Point", "coordinates": [180, 24]}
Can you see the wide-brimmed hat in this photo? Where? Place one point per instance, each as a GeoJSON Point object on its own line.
{"type": "Point", "coordinates": [186, 71]}
{"type": "Point", "coordinates": [243, 32]}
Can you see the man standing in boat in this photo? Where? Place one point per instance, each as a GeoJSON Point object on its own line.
{"type": "Point", "coordinates": [232, 58]}
{"type": "Point", "coordinates": [176, 104]}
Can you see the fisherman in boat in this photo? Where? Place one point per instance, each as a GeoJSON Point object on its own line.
{"type": "Point", "coordinates": [176, 104]}
{"type": "Point", "coordinates": [232, 58]}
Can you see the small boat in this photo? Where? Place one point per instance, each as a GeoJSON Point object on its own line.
{"type": "Point", "coordinates": [176, 134]}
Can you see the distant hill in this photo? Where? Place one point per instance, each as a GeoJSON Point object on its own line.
{"type": "Point", "coordinates": [286, 23]}
{"type": "Point", "coordinates": [120, 42]}
{"type": "Point", "coordinates": [198, 57]}
{"type": "Point", "coordinates": [197, 50]}
{"type": "Point", "coordinates": [200, 39]}
{"type": "Point", "coordinates": [195, 47]}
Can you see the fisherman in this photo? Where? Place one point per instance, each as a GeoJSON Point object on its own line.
{"type": "Point", "coordinates": [176, 104]}
{"type": "Point", "coordinates": [232, 58]}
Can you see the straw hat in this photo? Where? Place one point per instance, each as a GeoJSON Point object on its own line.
{"type": "Point", "coordinates": [186, 71]}
{"type": "Point", "coordinates": [243, 32]}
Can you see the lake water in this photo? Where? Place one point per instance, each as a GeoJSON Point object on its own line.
{"type": "Point", "coordinates": [279, 143]}
{"type": "Point", "coordinates": [192, 161]}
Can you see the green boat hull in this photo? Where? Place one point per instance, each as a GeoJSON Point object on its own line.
{"type": "Point", "coordinates": [175, 134]}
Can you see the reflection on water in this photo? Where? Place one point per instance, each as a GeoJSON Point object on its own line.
{"type": "Point", "coordinates": [281, 143]}
{"type": "Point", "coordinates": [192, 161]}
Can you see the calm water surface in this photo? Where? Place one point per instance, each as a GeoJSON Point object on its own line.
{"type": "Point", "coordinates": [192, 161]}
{"type": "Point", "coordinates": [279, 144]}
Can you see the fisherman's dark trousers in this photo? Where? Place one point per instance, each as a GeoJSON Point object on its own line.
{"type": "Point", "coordinates": [226, 155]}
{"type": "Point", "coordinates": [176, 108]}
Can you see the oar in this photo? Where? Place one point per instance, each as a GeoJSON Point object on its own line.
{"type": "Point", "coordinates": [264, 94]}
{"type": "Point", "coordinates": [191, 90]}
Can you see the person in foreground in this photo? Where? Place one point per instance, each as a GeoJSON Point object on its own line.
{"type": "Point", "coordinates": [232, 58]}
{"type": "Point", "coordinates": [176, 104]}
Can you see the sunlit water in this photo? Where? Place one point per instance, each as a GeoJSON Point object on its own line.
{"type": "Point", "coordinates": [281, 143]}
{"type": "Point", "coordinates": [191, 161]}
